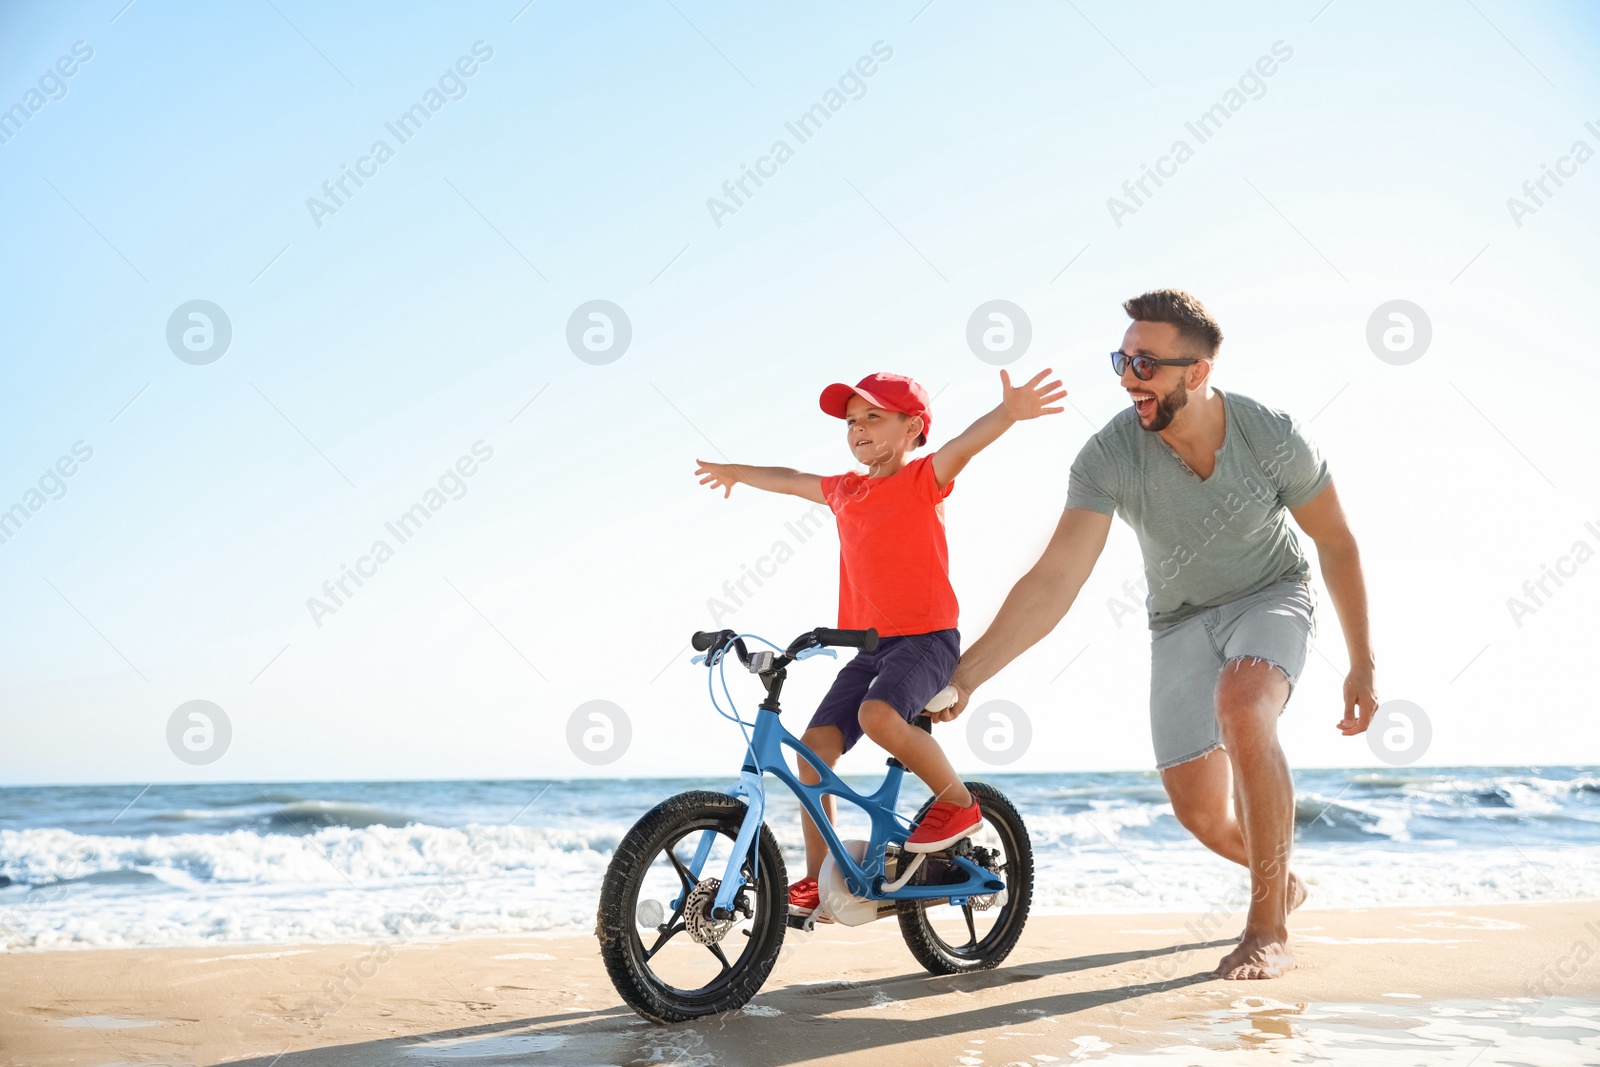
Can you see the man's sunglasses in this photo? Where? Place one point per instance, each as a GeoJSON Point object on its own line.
{"type": "Point", "coordinates": [1144, 367]}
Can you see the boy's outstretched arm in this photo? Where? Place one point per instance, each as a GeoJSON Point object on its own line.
{"type": "Point", "coordinates": [725, 476]}
{"type": "Point", "coordinates": [1016, 404]}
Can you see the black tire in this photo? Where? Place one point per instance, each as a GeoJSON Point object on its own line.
{"type": "Point", "coordinates": [1013, 861]}
{"type": "Point", "coordinates": [665, 986]}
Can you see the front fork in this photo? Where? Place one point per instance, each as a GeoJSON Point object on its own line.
{"type": "Point", "coordinates": [751, 787]}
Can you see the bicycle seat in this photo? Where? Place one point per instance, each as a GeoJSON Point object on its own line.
{"type": "Point", "coordinates": [944, 698]}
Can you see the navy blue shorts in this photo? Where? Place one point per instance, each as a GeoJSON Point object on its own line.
{"type": "Point", "coordinates": [905, 673]}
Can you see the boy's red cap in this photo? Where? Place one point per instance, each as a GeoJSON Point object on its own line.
{"type": "Point", "coordinates": [892, 392]}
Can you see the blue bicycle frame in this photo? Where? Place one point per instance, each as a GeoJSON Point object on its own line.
{"type": "Point", "coordinates": [764, 755]}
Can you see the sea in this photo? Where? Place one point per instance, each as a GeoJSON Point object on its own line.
{"type": "Point", "coordinates": [108, 866]}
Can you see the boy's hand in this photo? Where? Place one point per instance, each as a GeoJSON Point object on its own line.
{"type": "Point", "coordinates": [722, 476]}
{"type": "Point", "coordinates": [725, 476]}
{"type": "Point", "coordinates": [1017, 404]}
{"type": "Point", "coordinates": [1028, 401]}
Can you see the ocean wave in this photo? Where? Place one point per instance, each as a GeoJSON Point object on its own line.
{"type": "Point", "coordinates": [231, 863]}
{"type": "Point", "coordinates": [1521, 791]}
{"type": "Point", "coordinates": [1322, 820]}
{"type": "Point", "coordinates": [525, 886]}
{"type": "Point", "coordinates": [1139, 793]}
{"type": "Point", "coordinates": [1097, 824]}
{"type": "Point", "coordinates": [192, 815]}
{"type": "Point", "coordinates": [287, 812]}
{"type": "Point", "coordinates": [332, 855]}
{"type": "Point", "coordinates": [301, 815]}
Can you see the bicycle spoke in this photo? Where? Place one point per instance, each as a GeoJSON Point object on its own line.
{"type": "Point", "coordinates": [716, 950]}
{"type": "Point", "coordinates": [673, 925]}
{"type": "Point", "coordinates": [689, 881]}
{"type": "Point", "coordinates": [677, 912]}
{"type": "Point", "coordinates": [662, 940]}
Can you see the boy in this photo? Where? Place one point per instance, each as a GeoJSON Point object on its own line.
{"type": "Point", "coordinates": [893, 575]}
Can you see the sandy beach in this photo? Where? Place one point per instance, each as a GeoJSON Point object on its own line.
{"type": "Point", "coordinates": [1404, 985]}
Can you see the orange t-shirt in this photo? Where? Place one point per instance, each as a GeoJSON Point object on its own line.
{"type": "Point", "coordinates": [894, 566]}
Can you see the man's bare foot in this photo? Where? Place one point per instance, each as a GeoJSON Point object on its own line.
{"type": "Point", "coordinates": [1297, 895]}
{"type": "Point", "coordinates": [1258, 956]}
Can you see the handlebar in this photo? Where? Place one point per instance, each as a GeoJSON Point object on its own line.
{"type": "Point", "coordinates": [822, 636]}
{"type": "Point", "coordinates": [865, 640]}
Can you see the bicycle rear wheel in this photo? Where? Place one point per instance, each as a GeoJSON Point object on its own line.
{"type": "Point", "coordinates": [666, 954]}
{"type": "Point", "coordinates": [983, 931]}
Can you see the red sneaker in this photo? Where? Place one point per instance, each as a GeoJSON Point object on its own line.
{"type": "Point", "coordinates": [943, 826]}
{"type": "Point", "coordinates": [804, 897]}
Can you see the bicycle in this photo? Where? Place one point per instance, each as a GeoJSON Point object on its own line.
{"type": "Point", "coordinates": [734, 878]}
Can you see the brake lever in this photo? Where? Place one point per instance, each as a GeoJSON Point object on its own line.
{"type": "Point", "coordinates": [816, 650]}
{"type": "Point", "coordinates": [697, 660]}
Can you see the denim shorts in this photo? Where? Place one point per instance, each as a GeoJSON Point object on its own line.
{"type": "Point", "coordinates": [905, 673]}
{"type": "Point", "coordinates": [1274, 624]}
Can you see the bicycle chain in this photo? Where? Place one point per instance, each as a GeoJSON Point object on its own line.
{"type": "Point", "coordinates": [986, 858]}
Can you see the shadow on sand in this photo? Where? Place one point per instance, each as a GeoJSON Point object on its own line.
{"type": "Point", "coordinates": [809, 1030]}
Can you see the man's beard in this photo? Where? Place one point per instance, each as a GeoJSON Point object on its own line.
{"type": "Point", "coordinates": [1166, 407]}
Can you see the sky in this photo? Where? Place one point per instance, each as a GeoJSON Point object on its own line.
{"type": "Point", "coordinates": [404, 341]}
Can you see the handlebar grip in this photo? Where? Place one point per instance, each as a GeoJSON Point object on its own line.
{"type": "Point", "coordinates": [702, 640]}
{"type": "Point", "coordinates": [865, 640]}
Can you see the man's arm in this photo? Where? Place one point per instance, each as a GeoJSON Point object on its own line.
{"type": "Point", "coordinates": [1016, 405]}
{"type": "Point", "coordinates": [1323, 520]}
{"type": "Point", "coordinates": [1036, 603]}
{"type": "Point", "coordinates": [725, 476]}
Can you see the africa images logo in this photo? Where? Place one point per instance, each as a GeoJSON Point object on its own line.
{"type": "Point", "coordinates": [852, 85]}
{"type": "Point", "coordinates": [452, 85]}
{"type": "Point", "coordinates": [1203, 128]}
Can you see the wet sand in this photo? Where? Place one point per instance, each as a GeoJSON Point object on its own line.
{"type": "Point", "coordinates": [1402, 985]}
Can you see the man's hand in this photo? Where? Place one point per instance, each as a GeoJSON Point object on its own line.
{"type": "Point", "coordinates": [1360, 695]}
{"type": "Point", "coordinates": [722, 476]}
{"type": "Point", "coordinates": [1029, 401]}
{"type": "Point", "coordinates": [963, 694]}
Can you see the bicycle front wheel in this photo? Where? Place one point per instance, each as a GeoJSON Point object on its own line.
{"type": "Point", "coordinates": [667, 955]}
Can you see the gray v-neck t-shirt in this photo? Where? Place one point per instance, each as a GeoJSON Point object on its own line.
{"type": "Point", "coordinates": [1206, 542]}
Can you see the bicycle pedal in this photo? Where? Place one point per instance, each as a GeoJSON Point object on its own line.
{"type": "Point", "coordinates": [960, 850]}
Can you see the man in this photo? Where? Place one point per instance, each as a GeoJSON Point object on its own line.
{"type": "Point", "coordinates": [1205, 480]}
